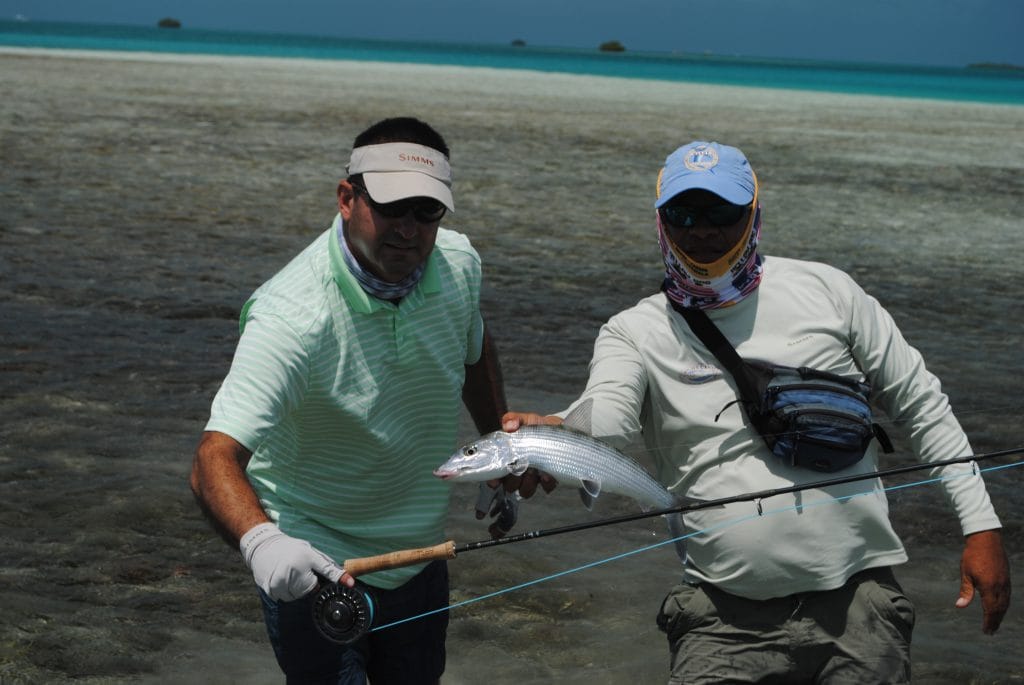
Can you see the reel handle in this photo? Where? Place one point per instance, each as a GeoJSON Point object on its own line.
{"type": "Point", "coordinates": [405, 557]}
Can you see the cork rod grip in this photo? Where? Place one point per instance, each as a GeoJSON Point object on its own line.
{"type": "Point", "coordinates": [405, 557]}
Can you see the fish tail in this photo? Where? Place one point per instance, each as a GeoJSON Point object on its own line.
{"type": "Point", "coordinates": [677, 529]}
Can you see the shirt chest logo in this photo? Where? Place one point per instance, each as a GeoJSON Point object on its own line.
{"type": "Point", "coordinates": [699, 374]}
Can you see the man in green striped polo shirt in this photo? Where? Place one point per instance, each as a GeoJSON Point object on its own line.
{"type": "Point", "coordinates": [344, 393]}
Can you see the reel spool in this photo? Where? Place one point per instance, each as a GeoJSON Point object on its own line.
{"type": "Point", "coordinates": [342, 614]}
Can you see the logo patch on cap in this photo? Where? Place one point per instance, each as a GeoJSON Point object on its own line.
{"type": "Point", "coordinates": [701, 158]}
{"type": "Point", "coordinates": [405, 157]}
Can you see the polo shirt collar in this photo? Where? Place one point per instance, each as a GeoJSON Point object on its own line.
{"type": "Point", "coordinates": [358, 299]}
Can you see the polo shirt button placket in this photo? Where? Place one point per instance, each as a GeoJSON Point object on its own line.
{"type": "Point", "coordinates": [399, 335]}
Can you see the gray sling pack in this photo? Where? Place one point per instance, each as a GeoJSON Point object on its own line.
{"type": "Point", "coordinates": [809, 418]}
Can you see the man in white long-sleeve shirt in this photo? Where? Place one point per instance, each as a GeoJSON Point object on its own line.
{"type": "Point", "coordinates": [805, 594]}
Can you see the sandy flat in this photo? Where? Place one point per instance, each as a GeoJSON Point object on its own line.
{"type": "Point", "coordinates": [143, 197]}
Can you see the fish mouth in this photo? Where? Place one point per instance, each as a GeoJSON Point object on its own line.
{"type": "Point", "coordinates": [443, 475]}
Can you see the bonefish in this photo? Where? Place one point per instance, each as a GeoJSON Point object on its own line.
{"type": "Point", "coordinates": [573, 457]}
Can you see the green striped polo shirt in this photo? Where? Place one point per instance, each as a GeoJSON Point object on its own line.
{"type": "Point", "coordinates": [348, 402]}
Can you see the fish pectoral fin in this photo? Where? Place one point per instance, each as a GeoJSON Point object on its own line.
{"type": "Point", "coordinates": [518, 467]}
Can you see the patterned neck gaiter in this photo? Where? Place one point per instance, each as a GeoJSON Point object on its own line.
{"type": "Point", "coordinates": [721, 283]}
{"type": "Point", "coordinates": [372, 285]}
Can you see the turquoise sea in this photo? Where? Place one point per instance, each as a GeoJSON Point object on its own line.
{"type": "Point", "coordinates": [991, 84]}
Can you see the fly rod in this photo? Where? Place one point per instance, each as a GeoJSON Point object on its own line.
{"type": "Point", "coordinates": [344, 614]}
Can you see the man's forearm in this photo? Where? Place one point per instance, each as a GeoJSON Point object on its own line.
{"type": "Point", "coordinates": [483, 392]}
{"type": "Point", "coordinates": [224, 493]}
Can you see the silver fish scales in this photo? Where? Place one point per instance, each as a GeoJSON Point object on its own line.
{"type": "Point", "coordinates": [573, 457]}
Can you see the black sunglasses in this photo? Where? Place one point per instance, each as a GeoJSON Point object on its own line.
{"type": "Point", "coordinates": [719, 216]}
{"type": "Point", "coordinates": [426, 209]}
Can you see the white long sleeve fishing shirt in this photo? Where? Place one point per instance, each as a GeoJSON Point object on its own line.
{"type": "Point", "coordinates": [651, 374]}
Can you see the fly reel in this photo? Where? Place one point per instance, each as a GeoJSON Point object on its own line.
{"type": "Point", "coordinates": [342, 614]}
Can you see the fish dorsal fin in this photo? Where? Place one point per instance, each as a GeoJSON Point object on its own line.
{"type": "Point", "coordinates": [579, 419]}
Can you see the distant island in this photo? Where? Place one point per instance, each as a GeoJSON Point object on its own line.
{"type": "Point", "coordinates": [169, 23]}
{"type": "Point", "coordinates": [612, 46]}
{"type": "Point", "coordinates": [997, 66]}
{"type": "Point", "coordinates": [519, 43]}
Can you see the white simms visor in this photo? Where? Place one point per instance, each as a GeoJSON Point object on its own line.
{"type": "Point", "coordinates": [395, 171]}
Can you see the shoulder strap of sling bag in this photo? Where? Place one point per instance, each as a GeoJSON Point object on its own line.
{"type": "Point", "coordinates": [722, 349]}
{"type": "Point", "coordinates": [745, 376]}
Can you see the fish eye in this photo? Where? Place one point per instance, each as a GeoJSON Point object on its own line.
{"type": "Point", "coordinates": [469, 451]}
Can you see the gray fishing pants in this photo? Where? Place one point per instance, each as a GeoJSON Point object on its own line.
{"type": "Point", "coordinates": [857, 634]}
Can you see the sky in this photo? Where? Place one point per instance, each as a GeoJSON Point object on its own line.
{"type": "Point", "coordinates": [925, 32]}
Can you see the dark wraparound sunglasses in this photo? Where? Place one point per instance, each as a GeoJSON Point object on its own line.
{"type": "Point", "coordinates": [719, 216]}
{"type": "Point", "coordinates": [427, 210]}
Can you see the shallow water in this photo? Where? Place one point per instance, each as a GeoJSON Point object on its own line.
{"type": "Point", "coordinates": [141, 202]}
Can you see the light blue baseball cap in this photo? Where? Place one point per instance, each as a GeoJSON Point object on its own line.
{"type": "Point", "coordinates": [720, 169]}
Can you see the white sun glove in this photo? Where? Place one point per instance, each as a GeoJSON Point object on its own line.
{"type": "Point", "coordinates": [285, 567]}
